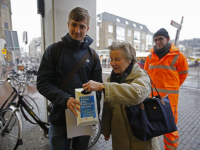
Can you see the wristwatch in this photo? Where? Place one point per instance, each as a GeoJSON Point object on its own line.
{"type": "Point", "coordinates": [103, 87]}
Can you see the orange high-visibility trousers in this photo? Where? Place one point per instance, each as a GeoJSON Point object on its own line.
{"type": "Point", "coordinates": [171, 139]}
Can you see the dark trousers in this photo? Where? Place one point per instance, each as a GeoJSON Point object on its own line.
{"type": "Point", "coordinates": [58, 139]}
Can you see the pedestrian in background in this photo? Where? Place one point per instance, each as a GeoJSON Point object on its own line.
{"type": "Point", "coordinates": [75, 45]}
{"type": "Point", "coordinates": [128, 84]}
{"type": "Point", "coordinates": [168, 68]}
{"type": "Point", "coordinates": [17, 59]}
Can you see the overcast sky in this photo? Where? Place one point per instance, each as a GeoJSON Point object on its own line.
{"type": "Point", "coordinates": [155, 14]}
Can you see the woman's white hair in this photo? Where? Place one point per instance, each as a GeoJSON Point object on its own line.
{"type": "Point", "coordinates": [128, 49]}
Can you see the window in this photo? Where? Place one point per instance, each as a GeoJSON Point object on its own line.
{"type": "Point", "coordinates": [97, 35]}
{"type": "Point", "coordinates": [149, 39]}
{"type": "Point", "coordinates": [134, 25]}
{"type": "Point", "coordinates": [137, 36]}
{"type": "Point", "coordinates": [142, 46]}
{"type": "Point", "coordinates": [110, 41]}
{"type": "Point", "coordinates": [137, 46]}
{"type": "Point", "coordinates": [141, 27]}
{"type": "Point", "coordinates": [120, 33]}
{"type": "Point", "coordinates": [110, 28]}
{"type": "Point", "coordinates": [143, 36]}
{"type": "Point", "coordinates": [118, 20]}
{"type": "Point", "coordinates": [129, 32]}
{"type": "Point", "coordinates": [5, 25]}
{"type": "Point", "coordinates": [127, 22]}
{"type": "Point", "coordinates": [4, 6]}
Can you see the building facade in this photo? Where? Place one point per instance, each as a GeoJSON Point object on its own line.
{"type": "Point", "coordinates": [111, 27]}
{"type": "Point", "coordinates": [35, 48]}
{"type": "Point", "coordinates": [190, 47]}
{"type": "Point", "coordinates": [5, 24]}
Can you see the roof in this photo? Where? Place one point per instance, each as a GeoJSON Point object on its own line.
{"type": "Point", "coordinates": [113, 18]}
{"type": "Point", "coordinates": [191, 42]}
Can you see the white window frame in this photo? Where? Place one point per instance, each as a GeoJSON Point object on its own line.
{"type": "Point", "coordinates": [129, 33]}
{"type": "Point", "coordinates": [138, 34]}
{"type": "Point", "coordinates": [120, 33]}
{"type": "Point", "coordinates": [110, 41]}
{"type": "Point", "coordinates": [143, 47]}
{"type": "Point", "coordinates": [110, 28]}
{"type": "Point", "coordinates": [143, 36]}
{"type": "Point", "coordinates": [97, 36]}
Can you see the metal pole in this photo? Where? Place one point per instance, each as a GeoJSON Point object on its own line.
{"type": "Point", "coordinates": [13, 47]}
{"type": "Point", "coordinates": [177, 34]}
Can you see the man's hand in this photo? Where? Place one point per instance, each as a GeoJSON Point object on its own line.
{"type": "Point", "coordinates": [106, 137]}
{"type": "Point", "coordinates": [72, 105]}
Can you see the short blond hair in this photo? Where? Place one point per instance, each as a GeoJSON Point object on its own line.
{"type": "Point", "coordinates": [79, 14]}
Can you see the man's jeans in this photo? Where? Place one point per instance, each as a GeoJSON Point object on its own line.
{"type": "Point", "coordinates": [58, 139]}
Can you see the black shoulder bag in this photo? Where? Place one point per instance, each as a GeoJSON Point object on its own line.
{"type": "Point", "coordinates": [153, 117]}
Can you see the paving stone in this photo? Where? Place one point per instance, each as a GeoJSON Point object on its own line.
{"type": "Point", "coordinates": [187, 146]}
{"type": "Point", "coordinates": [194, 145]}
{"type": "Point", "coordinates": [184, 141]}
{"type": "Point", "coordinates": [197, 141]}
{"type": "Point", "coordinates": [180, 146]}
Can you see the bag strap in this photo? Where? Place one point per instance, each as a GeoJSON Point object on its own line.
{"type": "Point", "coordinates": [56, 54]}
{"type": "Point", "coordinates": [160, 98]}
{"type": "Point", "coordinates": [94, 57]}
{"type": "Point", "coordinates": [70, 75]}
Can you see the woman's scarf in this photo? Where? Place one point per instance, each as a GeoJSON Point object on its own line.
{"type": "Point", "coordinates": [119, 79]}
{"type": "Point", "coordinates": [163, 51]}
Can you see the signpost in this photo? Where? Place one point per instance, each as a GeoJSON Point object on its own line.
{"type": "Point", "coordinates": [178, 26]}
{"type": "Point", "coordinates": [25, 39]}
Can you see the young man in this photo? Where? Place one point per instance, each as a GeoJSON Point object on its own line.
{"type": "Point", "coordinates": [168, 68]}
{"type": "Point", "coordinates": [75, 45]}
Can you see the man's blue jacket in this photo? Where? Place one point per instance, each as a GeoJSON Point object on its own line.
{"type": "Point", "coordinates": [71, 53]}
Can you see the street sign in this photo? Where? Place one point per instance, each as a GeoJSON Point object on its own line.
{"type": "Point", "coordinates": [4, 51]}
{"type": "Point", "coordinates": [12, 43]}
{"type": "Point", "coordinates": [176, 25]}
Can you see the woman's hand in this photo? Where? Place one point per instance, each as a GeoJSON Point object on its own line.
{"type": "Point", "coordinates": [106, 137]}
{"type": "Point", "coordinates": [92, 86]}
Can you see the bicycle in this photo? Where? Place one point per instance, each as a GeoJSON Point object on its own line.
{"type": "Point", "coordinates": [11, 122]}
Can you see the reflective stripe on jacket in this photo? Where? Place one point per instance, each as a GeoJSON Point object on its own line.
{"type": "Point", "coordinates": [168, 73]}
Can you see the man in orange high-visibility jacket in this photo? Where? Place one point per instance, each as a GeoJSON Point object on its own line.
{"type": "Point", "coordinates": [168, 68]}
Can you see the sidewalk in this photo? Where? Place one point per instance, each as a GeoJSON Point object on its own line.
{"type": "Point", "coordinates": [188, 124]}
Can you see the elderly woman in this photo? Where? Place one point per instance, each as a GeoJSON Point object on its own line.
{"type": "Point", "coordinates": [127, 85]}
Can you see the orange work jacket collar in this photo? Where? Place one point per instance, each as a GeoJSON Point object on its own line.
{"type": "Point", "coordinates": [173, 49]}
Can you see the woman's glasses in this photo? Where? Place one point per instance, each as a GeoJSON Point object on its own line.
{"type": "Point", "coordinates": [159, 39]}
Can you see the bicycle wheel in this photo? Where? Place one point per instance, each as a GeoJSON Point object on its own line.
{"type": "Point", "coordinates": [10, 136]}
{"type": "Point", "coordinates": [96, 134]}
{"type": "Point", "coordinates": [33, 106]}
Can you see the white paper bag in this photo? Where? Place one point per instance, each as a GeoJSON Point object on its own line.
{"type": "Point", "coordinates": [72, 129]}
{"type": "Point", "coordinates": [88, 114]}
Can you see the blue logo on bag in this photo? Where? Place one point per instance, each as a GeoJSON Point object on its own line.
{"type": "Point", "coordinates": [87, 106]}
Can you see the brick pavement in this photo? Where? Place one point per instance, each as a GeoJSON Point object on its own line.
{"type": "Point", "coordinates": [188, 124]}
